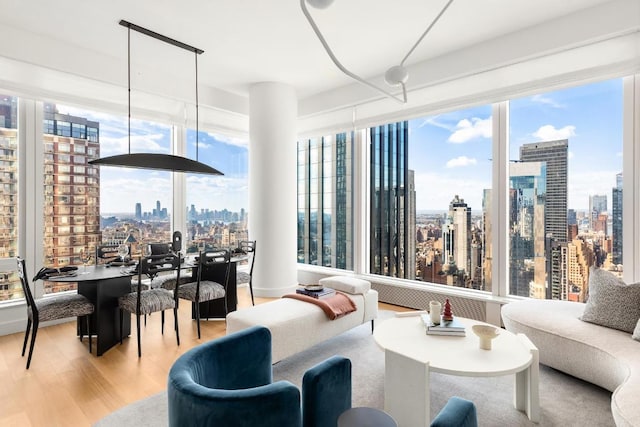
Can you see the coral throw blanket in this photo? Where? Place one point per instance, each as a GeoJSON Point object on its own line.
{"type": "Point", "coordinates": [334, 307]}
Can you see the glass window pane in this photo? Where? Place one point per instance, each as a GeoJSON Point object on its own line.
{"type": "Point", "coordinates": [565, 194]}
{"type": "Point", "coordinates": [10, 287]}
{"type": "Point", "coordinates": [107, 202]}
{"type": "Point", "coordinates": [217, 205]}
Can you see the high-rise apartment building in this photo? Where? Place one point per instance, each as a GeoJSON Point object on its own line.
{"type": "Point", "coordinates": [71, 187]}
{"type": "Point", "coordinates": [616, 213]}
{"type": "Point", "coordinates": [9, 284]}
{"type": "Point", "coordinates": [554, 154]}
{"type": "Point", "coordinates": [325, 213]}
{"type": "Point", "coordinates": [392, 233]}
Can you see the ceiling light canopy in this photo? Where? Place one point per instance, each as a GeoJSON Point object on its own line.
{"type": "Point", "coordinates": [395, 76]}
{"type": "Point", "coordinates": [157, 161]}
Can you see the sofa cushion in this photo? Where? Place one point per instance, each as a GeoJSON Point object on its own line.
{"type": "Point", "coordinates": [350, 285]}
{"type": "Point", "coordinates": [612, 303]}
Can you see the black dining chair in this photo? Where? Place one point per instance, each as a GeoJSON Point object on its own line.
{"type": "Point", "coordinates": [146, 301]}
{"type": "Point", "coordinates": [51, 308]}
{"type": "Point", "coordinates": [247, 247]}
{"type": "Point", "coordinates": [207, 290]}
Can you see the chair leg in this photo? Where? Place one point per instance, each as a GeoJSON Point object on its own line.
{"type": "Point", "coordinates": [33, 341]}
{"type": "Point", "coordinates": [138, 327]}
{"type": "Point", "coordinates": [26, 336]}
{"type": "Point", "coordinates": [251, 290]}
{"type": "Point", "coordinates": [162, 322]}
{"type": "Point", "coordinates": [175, 322]}
{"type": "Point", "coordinates": [89, 332]}
{"type": "Point", "coordinates": [198, 318]}
{"type": "Point", "coordinates": [121, 327]}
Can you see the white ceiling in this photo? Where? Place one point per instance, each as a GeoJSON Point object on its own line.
{"type": "Point", "coordinates": [249, 41]}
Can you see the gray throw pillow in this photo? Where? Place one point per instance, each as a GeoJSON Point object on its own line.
{"type": "Point", "coordinates": [612, 303]}
{"type": "Point", "coordinates": [636, 331]}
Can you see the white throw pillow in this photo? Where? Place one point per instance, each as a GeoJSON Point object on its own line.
{"type": "Point", "coordinates": [636, 331]}
{"type": "Point", "coordinates": [612, 303]}
{"type": "Point", "coordinates": [350, 285]}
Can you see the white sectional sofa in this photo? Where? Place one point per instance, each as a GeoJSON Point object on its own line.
{"type": "Point", "coordinates": [603, 356]}
{"type": "Point", "coordinates": [297, 325]}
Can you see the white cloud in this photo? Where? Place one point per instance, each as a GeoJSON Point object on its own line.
{"type": "Point", "coordinates": [550, 133]}
{"type": "Point", "coordinates": [461, 161]}
{"type": "Point", "coordinates": [540, 99]}
{"type": "Point", "coordinates": [433, 121]}
{"type": "Point", "coordinates": [467, 130]}
{"type": "Point", "coordinates": [230, 140]}
{"type": "Point", "coordinates": [435, 191]}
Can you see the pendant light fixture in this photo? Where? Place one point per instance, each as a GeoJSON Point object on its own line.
{"type": "Point", "coordinates": [395, 76]}
{"type": "Point", "coordinates": [167, 162]}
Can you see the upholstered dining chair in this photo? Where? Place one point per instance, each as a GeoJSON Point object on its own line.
{"type": "Point", "coordinates": [51, 308]}
{"type": "Point", "coordinates": [207, 290]}
{"type": "Point", "coordinates": [247, 247]}
{"type": "Point", "coordinates": [146, 301]}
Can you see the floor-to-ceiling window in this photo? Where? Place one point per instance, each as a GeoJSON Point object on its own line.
{"type": "Point", "coordinates": [217, 205]}
{"type": "Point", "coordinates": [86, 205]}
{"type": "Point", "coordinates": [565, 174]}
{"type": "Point", "coordinates": [325, 201]}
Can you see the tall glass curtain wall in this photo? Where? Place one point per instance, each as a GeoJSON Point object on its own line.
{"type": "Point", "coordinates": [325, 200]}
{"type": "Point", "coordinates": [564, 196]}
{"type": "Point", "coordinates": [392, 195]}
{"type": "Point", "coordinates": [85, 206]}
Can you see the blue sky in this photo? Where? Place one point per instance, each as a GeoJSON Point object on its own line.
{"type": "Point", "coordinates": [122, 188]}
{"type": "Point", "coordinates": [451, 152]}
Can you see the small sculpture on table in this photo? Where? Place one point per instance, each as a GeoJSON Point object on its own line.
{"type": "Point", "coordinates": [447, 314]}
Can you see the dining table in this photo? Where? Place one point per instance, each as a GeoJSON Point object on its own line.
{"type": "Point", "coordinates": [102, 285]}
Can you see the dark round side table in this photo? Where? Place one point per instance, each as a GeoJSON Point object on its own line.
{"type": "Point", "coordinates": [365, 417]}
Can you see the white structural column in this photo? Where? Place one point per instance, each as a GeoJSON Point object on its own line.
{"type": "Point", "coordinates": [273, 114]}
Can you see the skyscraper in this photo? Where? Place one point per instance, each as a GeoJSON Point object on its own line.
{"type": "Point", "coordinates": [456, 236]}
{"type": "Point", "coordinates": [392, 232]}
{"type": "Point", "coordinates": [138, 210]}
{"type": "Point", "coordinates": [527, 201]}
{"type": "Point", "coordinates": [555, 154]}
{"type": "Point", "coordinates": [325, 214]}
{"type": "Point", "coordinates": [616, 213]}
{"type": "Point", "coordinates": [597, 206]}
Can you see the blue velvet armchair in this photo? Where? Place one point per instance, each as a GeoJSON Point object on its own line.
{"type": "Point", "coordinates": [457, 412]}
{"type": "Point", "coordinates": [228, 382]}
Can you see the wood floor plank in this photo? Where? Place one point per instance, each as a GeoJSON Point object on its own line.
{"type": "Point", "coordinates": [67, 386]}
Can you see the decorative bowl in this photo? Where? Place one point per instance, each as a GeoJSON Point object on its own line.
{"type": "Point", "coordinates": [486, 333]}
{"type": "Point", "coordinates": [315, 287]}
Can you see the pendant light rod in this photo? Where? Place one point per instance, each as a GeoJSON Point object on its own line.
{"type": "Point", "coordinates": [197, 118]}
{"type": "Point", "coordinates": [157, 161]}
{"type": "Point", "coordinates": [129, 86]}
{"type": "Point", "coordinates": [161, 37]}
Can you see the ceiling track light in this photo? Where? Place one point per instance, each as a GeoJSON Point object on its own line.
{"type": "Point", "coordinates": [395, 76]}
{"type": "Point", "coordinates": [157, 161]}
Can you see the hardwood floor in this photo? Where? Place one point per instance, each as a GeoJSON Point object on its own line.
{"type": "Point", "coordinates": [67, 386]}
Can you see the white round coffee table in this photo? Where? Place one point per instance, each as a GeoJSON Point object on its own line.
{"type": "Point", "coordinates": [410, 354]}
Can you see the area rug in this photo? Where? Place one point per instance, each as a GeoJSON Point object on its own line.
{"type": "Point", "coordinates": [564, 400]}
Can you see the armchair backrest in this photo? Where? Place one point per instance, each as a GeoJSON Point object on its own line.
{"type": "Point", "coordinates": [228, 381]}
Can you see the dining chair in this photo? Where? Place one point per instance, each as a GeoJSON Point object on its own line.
{"type": "Point", "coordinates": [146, 301]}
{"type": "Point", "coordinates": [106, 253]}
{"type": "Point", "coordinates": [247, 247]}
{"type": "Point", "coordinates": [207, 290]}
{"type": "Point", "coordinates": [51, 308]}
